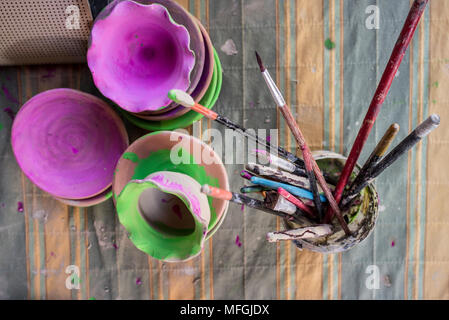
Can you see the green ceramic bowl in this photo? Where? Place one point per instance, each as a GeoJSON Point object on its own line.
{"type": "Point", "coordinates": [209, 100]}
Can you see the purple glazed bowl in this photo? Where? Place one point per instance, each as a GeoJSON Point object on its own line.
{"type": "Point", "coordinates": [137, 54]}
{"type": "Point", "coordinates": [68, 142]}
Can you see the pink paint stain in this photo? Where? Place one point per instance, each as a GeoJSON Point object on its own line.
{"type": "Point", "coordinates": [393, 243]}
{"type": "Point", "coordinates": [74, 150]}
{"type": "Point", "coordinates": [19, 206]}
{"type": "Point", "coordinates": [10, 113]}
{"type": "Point", "coordinates": [177, 210]}
{"type": "Point", "coordinates": [138, 281]}
{"type": "Point", "coordinates": [52, 254]}
{"type": "Point", "coordinates": [8, 95]}
{"type": "Point", "coordinates": [237, 241]}
{"type": "Point", "coordinates": [243, 207]}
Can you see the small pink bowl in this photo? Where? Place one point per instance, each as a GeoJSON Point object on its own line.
{"type": "Point", "coordinates": [137, 54]}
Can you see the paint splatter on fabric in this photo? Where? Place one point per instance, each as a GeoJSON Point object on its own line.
{"type": "Point", "coordinates": [8, 95]}
{"type": "Point", "coordinates": [10, 113]}
{"type": "Point", "coordinates": [20, 206]}
{"type": "Point", "coordinates": [237, 241]}
{"type": "Point", "coordinates": [138, 281]}
{"type": "Point", "coordinates": [229, 48]}
{"type": "Point", "coordinates": [329, 44]}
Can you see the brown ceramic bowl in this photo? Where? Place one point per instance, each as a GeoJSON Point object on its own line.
{"type": "Point", "coordinates": [102, 197]}
{"type": "Point", "coordinates": [134, 164]}
{"type": "Point", "coordinates": [200, 90]}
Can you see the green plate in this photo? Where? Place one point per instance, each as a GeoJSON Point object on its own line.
{"type": "Point", "coordinates": [209, 100]}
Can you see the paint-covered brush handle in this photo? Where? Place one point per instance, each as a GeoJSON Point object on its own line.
{"type": "Point", "coordinates": [300, 233]}
{"type": "Point", "coordinates": [216, 192]}
{"type": "Point", "coordinates": [297, 191]}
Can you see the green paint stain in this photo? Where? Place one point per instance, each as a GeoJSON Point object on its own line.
{"type": "Point", "coordinates": [329, 44]}
{"type": "Point", "coordinates": [1, 126]}
{"type": "Point", "coordinates": [161, 161]}
{"type": "Point", "coordinates": [172, 95]}
{"type": "Point", "coordinates": [435, 84]}
{"type": "Point", "coordinates": [131, 156]}
{"type": "Point", "coordinates": [434, 101]}
{"type": "Point", "coordinates": [92, 298]}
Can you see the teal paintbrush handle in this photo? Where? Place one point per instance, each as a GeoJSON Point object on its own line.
{"type": "Point", "coordinates": [296, 191]}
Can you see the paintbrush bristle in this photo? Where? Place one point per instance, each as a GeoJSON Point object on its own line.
{"type": "Point", "coordinates": [260, 63]}
{"type": "Point", "coordinates": [181, 97]}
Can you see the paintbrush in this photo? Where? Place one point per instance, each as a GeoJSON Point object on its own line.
{"type": "Point", "coordinates": [253, 189]}
{"type": "Point", "coordinates": [285, 110]}
{"type": "Point", "coordinates": [251, 202]}
{"type": "Point", "coordinates": [297, 191]}
{"type": "Point", "coordinates": [377, 154]}
{"type": "Point", "coordinates": [310, 232]}
{"type": "Point", "coordinates": [297, 202]}
{"type": "Point", "coordinates": [285, 165]}
{"type": "Point", "coordinates": [187, 101]}
{"type": "Point", "coordinates": [312, 170]}
{"type": "Point", "coordinates": [278, 175]}
{"type": "Point", "coordinates": [405, 145]}
{"type": "Point", "coordinates": [381, 93]}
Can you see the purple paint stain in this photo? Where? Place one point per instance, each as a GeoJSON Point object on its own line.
{"type": "Point", "coordinates": [115, 246]}
{"type": "Point", "coordinates": [10, 113]}
{"type": "Point", "coordinates": [177, 210]}
{"type": "Point", "coordinates": [19, 206]}
{"type": "Point", "coordinates": [245, 174]}
{"type": "Point", "coordinates": [74, 150]}
{"type": "Point", "coordinates": [8, 95]}
{"type": "Point", "coordinates": [177, 186]}
{"type": "Point", "coordinates": [50, 73]}
{"type": "Point", "coordinates": [392, 243]}
{"type": "Point", "coordinates": [52, 254]}
{"type": "Point", "coordinates": [269, 138]}
{"type": "Point", "coordinates": [138, 281]}
{"type": "Point", "coordinates": [243, 207]}
{"type": "Point", "coordinates": [237, 241]}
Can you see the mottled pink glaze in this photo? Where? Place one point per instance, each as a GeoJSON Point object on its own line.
{"type": "Point", "coordinates": [137, 54]}
{"type": "Point", "coordinates": [51, 126]}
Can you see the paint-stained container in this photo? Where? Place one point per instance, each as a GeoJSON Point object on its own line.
{"type": "Point", "coordinates": [361, 216]}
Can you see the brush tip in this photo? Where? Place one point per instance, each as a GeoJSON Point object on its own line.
{"type": "Point", "coordinates": [395, 126]}
{"type": "Point", "coordinates": [259, 62]}
{"type": "Point", "coordinates": [435, 119]}
{"type": "Point", "coordinates": [181, 97]}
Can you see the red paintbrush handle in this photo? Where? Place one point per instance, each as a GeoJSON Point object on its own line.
{"type": "Point", "coordinates": [301, 205]}
{"type": "Point", "coordinates": [204, 111]}
{"type": "Point", "coordinates": [311, 165]}
{"type": "Point", "coordinates": [391, 69]}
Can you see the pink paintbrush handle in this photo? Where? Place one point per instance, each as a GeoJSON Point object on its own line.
{"type": "Point", "coordinates": [391, 69]}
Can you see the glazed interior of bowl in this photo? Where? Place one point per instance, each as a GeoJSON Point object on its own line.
{"type": "Point", "coordinates": [209, 100]}
{"type": "Point", "coordinates": [68, 143]}
{"type": "Point", "coordinates": [137, 54]}
{"type": "Point", "coordinates": [154, 152]}
{"type": "Point", "coordinates": [174, 110]}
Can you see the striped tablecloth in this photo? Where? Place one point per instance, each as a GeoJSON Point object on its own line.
{"type": "Point", "coordinates": [327, 57]}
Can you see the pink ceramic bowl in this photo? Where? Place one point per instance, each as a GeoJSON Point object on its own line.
{"type": "Point", "coordinates": [68, 143]}
{"type": "Point", "coordinates": [137, 54]}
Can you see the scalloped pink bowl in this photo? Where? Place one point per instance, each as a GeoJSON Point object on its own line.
{"type": "Point", "coordinates": [137, 54]}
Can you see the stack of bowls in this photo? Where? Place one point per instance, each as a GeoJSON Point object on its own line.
{"type": "Point", "coordinates": [138, 51]}
{"type": "Point", "coordinates": [174, 152]}
{"type": "Point", "coordinates": [68, 143]}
